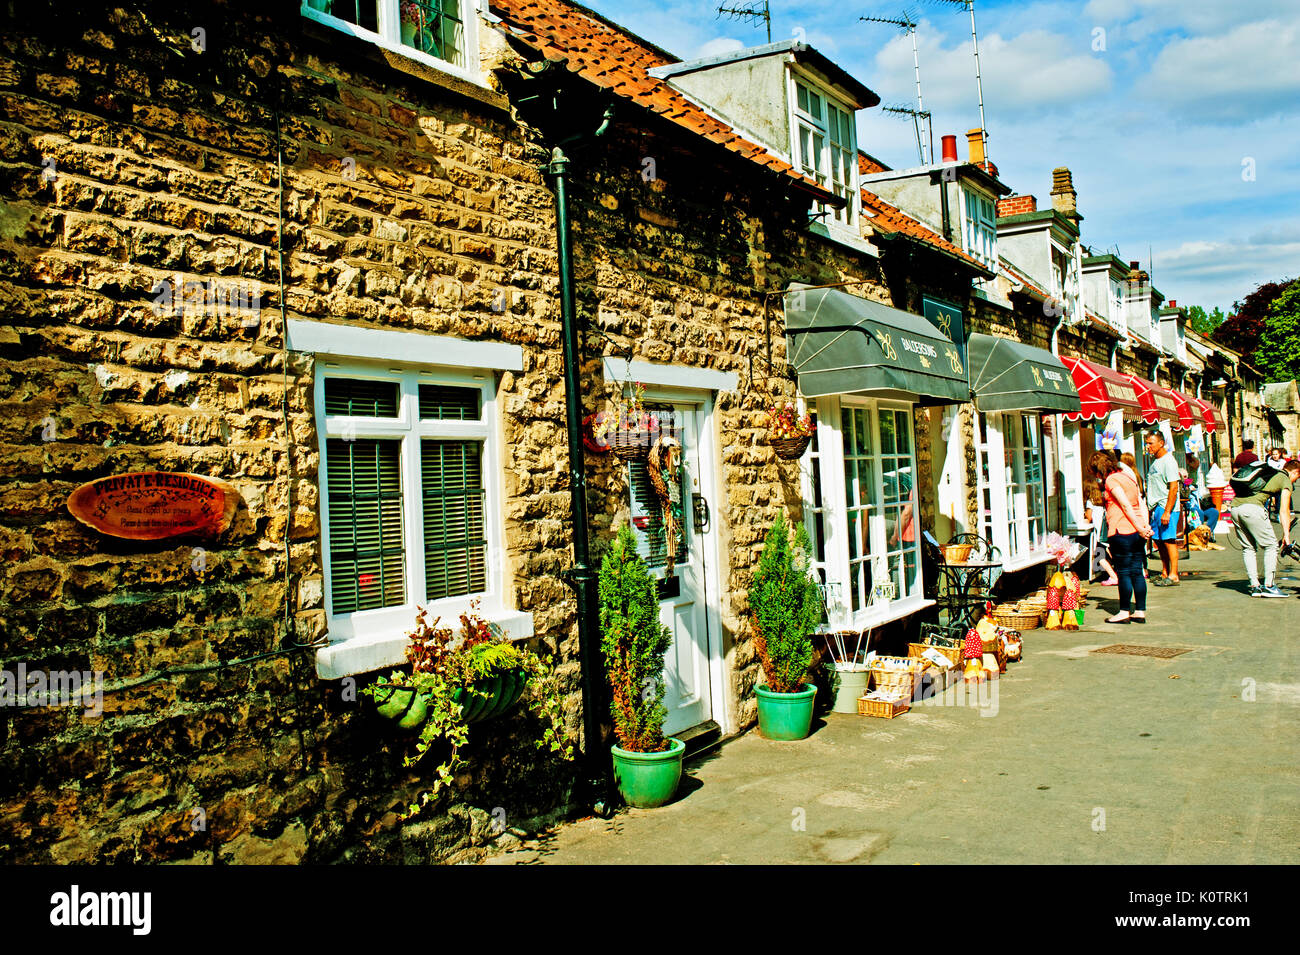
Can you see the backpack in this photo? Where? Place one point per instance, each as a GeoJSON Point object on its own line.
{"type": "Point", "coordinates": [1251, 478]}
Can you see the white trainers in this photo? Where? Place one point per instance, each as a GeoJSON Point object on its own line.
{"type": "Point", "coordinates": [1271, 592]}
{"type": "Point", "coordinates": [1256, 590]}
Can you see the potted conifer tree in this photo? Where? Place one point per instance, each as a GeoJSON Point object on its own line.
{"type": "Point", "coordinates": [647, 766]}
{"type": "Point", "coordinates": [785, 605]}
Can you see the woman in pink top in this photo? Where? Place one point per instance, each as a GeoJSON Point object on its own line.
{"type": "Point", "coordinates": [1129, 526]}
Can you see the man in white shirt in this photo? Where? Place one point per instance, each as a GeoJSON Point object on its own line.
{"type": "Point", "coordinates": [1163, 480]}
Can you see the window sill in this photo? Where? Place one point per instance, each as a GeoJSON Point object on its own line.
{"type": "Point", "coordinates": [895, 610]}
{"type": "Point", "coordinates": [844, 236]}
{"type": "Point", "coordinates": [1022, 561]}
{"type": "Point", "coordinates": [374, 651]}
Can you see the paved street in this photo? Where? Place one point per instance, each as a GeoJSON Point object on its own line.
{"type": "Point", "coordinates": [1081, 758]}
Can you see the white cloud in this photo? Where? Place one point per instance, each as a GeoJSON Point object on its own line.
{"type": "Point", "coordinates": [716, 46]}
{"type": "Point", "coordinates": [1250, 72]}
{"type": "Point", "coordinates": [1036, 71]}
{"type": "Point", "coordinates": [1142, 18]}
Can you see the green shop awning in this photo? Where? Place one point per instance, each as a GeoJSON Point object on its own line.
{"type": "Point", "coordinates": [1009, 376]}
{"type": "Point", "coordinates": [841, 344]}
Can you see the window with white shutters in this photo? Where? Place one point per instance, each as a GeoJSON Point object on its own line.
{"type": "Point", "coordinates": [408, 503]}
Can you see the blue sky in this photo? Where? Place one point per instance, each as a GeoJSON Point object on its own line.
{"type": "Point", "coordinates": [1178, 118]}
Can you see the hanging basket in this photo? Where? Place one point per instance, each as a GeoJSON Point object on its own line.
{"type": "Point", "coordinates": [629, 445]}
{"type": "Point", "coordinates": [791, 449]}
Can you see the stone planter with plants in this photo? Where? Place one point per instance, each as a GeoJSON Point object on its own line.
{"type": "Point", "coordinates": [456, 680]}
{"type": "Point", "coordinates": [785, 605]}
{"type": "Point", "coordinates": [647, 766]}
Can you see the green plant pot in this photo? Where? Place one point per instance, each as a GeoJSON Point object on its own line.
{"type": "Point", "coordinates": [849, 685]}
{"type": "Point", "coordinates": [785, 716]}
{"type": "Point", "coordinates": [491, 697]}
{"type": "Point", "coordinates": [648, 780]}
{"type": "Point", "coordinates": [512, 687]}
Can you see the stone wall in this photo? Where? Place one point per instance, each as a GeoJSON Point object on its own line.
{"type": "Point", "coordinates": [135, 160]}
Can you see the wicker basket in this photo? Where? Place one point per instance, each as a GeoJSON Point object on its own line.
{"type": "Point", "coordinates": [886, 709]}
{"type": "Point", "coordinates": [914, 651]}
{"type": "Point", "coordinates": [957, 553]}
{"type": "Point", "coordinates": [791, 449]}
{"type": "Point", "coordinates": [629, 445]}
{"type": "Point", "coordinates": [1017, 621]}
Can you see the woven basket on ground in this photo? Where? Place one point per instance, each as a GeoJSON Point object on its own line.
{"type": "Point", "coordinates": [1017, 621]}
{"type": "Point", "coordinates": [791, 449]}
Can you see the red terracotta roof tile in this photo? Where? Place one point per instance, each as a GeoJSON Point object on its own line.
{"type": "Point", "coordinates": [616, 59]}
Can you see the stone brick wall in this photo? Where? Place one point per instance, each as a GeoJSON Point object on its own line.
{"type": "Point", "coordinates": [133, 159]}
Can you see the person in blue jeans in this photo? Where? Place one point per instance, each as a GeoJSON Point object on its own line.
{"type": "Point", "coordinates": [1127, 532]}
{"type": "Point", "coordinates": [1163, 481]}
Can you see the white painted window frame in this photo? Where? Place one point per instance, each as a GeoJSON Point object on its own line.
{"type": "Point", "coordinates": [830, 460]}
{"type": "Point", "coordinates": [1014, 545]}
{"type": "Point", "coordinates": [411, 431]}
{"type": "Point", "coordinates": [389, 36]}
{"type": "Point", "coordinates": [847, 219]}
{"type": "Point", "coordinates": [979, 227]}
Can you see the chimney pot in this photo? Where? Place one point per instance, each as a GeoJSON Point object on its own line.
{"type": "Point", "coordinates": [1173, 303]}
{"type": "Point", "coordinates": [950, 149]}
{"type": "Point", "coordinates": [975, 139]}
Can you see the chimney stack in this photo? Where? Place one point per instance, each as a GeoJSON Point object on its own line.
{"type": "Point", "coordinates": [1173, 303]}
{"type": "Point", "coordinates": [1064, 199]}
{"type": "Point", "coordinates": [950, 149]}
{"type": "Point", "coordinates": [975, 139]}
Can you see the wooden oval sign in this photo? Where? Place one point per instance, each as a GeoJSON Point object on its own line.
{"type": "Point", "coordinates": [152, 505]}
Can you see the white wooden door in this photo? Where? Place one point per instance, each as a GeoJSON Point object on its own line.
{"type": "Point", "coordinates": [683, 606]}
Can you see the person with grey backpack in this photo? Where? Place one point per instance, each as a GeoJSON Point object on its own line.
{"type": "Point", "coordinates": [1255, 484]}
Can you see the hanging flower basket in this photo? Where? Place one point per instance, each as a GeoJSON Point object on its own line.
{"type": "Point", "coordinates": [629, 444]}
{"type": "Point", "coordinates": [791, 449]}
{"type": "Point", "coordinates": [788, 432]}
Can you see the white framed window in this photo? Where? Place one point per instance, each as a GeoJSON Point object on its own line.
{"type": "Point", "coordinates": [824, 144]}
{"type": "Point", "coordinates": [1013, 509]}
{"type": "Point", "coordinates": [409, 504]}
{"type": "Point", "coordinates": [439, 33]}
{"type": "Point", "coordinates": [860, 507]}
{"type": "Point", "coordinates": [979, 226]}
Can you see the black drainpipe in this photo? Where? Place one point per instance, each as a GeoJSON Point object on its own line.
{"type": "Point", "coordinates": [596, 759]}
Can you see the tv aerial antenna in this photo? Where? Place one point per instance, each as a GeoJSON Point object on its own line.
{"type": "Point", "coordinates": [979, 84]}
{"type": "Point", "coordinates": [907, 22]}
{"type": "Point", "coordinates": [917, 115]}
{"type": "Point", "coordinates": [750, 12]}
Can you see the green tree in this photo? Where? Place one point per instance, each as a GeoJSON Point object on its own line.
{"type": "Point", "coordinates": [1278, 352]}
{"type": "Point", "coordinates": [1202, 322]}
{"type": "Point", "coordinates": [786, 604]}
{"type": "Point", "coordinates": [634, 643]}
{"type": "Point", "coordinates": [1242, 329]}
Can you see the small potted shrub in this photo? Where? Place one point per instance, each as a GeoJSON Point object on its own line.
{"type": "Point", "coordinates": [785, 605]}
{"type": "Point", "coordinates": [647, 766]}
{"type": "Point", "coordinates": [459, 680]}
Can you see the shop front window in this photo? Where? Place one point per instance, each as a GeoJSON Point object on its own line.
{"type": "Point", "coordinates": [860, 507]}
{"type": "Point", "coordinates": [1013, 509]}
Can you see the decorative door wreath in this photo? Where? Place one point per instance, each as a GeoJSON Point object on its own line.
{"type": "Point", "coordinates": [664, 467]}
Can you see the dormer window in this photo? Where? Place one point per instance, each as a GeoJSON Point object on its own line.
{"type": "Point", "coordinates": [439, 33]}
{"type": "Point", "coordinates": [980, 228]}
{"type": "Point", "coordinates": [825, 146]}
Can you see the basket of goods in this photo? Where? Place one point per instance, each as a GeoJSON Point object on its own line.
{"type": "Point", "coordinates": [896, 675]}
{"type": "Point", "coordinates": [1016, 617]}
{"type": "Point", "coordinates": [957, 553]}
{"type": "Point", "coordinates": [788, 432]}
{"type": "Point", "coordinates": [953, 654]}
{"type": "Point", "coordinates": [883, 704]}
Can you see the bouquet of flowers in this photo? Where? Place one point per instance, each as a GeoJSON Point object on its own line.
{"type": "Point", "coordinates": [786, 422]}
{"type": "Point", "coordinates": [1062, 550]}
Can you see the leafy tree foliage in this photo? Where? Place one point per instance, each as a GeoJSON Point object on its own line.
{"type": "Point", "coordinates": [786, 605]}
{"type": "Point", "coordinates": [1242, 329]}
{"type": "Point", "coordinates": [1202, 322]}
{"type": "Point", "coordinates": [1278, 353]}
{"type": "Point", "coordinates": [634, 643]}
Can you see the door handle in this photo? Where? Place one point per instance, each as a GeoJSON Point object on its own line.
{"type": "Point", "coordinates": [700, 512]}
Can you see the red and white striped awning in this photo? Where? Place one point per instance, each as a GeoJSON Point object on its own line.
{"type": "Point", "coordinates": [1101, 390]}
{"type": "Point", "coordinates": [1209, 415]}
{"type": "Point", "coordinates": [1157, 402]}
